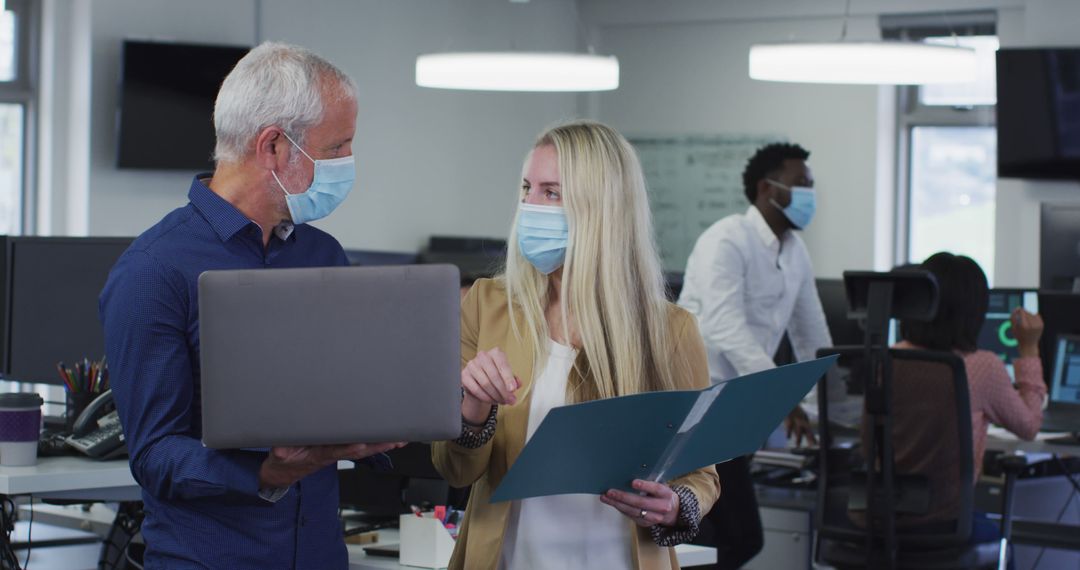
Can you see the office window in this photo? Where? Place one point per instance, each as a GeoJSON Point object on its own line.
{"type": "Point", "coordinates": [951, 195]}
{"type": "Point", "coordinates": [983, 91]}
{"type": "Point", "coordinates": [948, 160]}
{"type": "Point", "coordinates": [16, 97]}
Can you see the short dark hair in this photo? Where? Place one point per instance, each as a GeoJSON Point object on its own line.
{"type": "Point", "coordinates": [769, 158]}
{"type": "Point", "coordinates": [964, 298]}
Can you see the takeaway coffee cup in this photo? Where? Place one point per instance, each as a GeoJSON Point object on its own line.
{"type": "Point", "coordinates": [20, 427]}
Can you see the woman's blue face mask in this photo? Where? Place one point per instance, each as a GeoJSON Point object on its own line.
{"type": "Point", "coordinates": [542, 236]}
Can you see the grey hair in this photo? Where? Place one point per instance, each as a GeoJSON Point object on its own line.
{"type": "Point", "coordinates": [274, 84]}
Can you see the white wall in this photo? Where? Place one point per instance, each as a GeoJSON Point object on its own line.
{"type": "Point", "coordinates": [440, 162]}
{"type": "Point", "coordinates": [126, 202]}
{"type": "Point", "coordinates": [684, 70]}
{"type": "Point", "coordinates": [64, 119]}
{"type": "Point", "coordinates": [429, 161]}
{"type": "Point", "coordinates": [1045, 23]}
{"type": "Point", "coordinates": [692, 78]}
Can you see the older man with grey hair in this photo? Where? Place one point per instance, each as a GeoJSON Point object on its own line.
{"type": "Point", "coordinates": [284, 120]}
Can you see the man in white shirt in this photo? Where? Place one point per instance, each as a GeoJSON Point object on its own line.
{"type": "Point", "coordinates": [748, 280]}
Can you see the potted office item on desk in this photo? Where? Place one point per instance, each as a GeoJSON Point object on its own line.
{"type": "Point", "coordinates": [20, 426]}
{"type": "Point", "coordinates": [426, 539]}
{"type": "Point", "coordinates": [82, 384]}
{"type": "Point", "coordinates": [93, 426]}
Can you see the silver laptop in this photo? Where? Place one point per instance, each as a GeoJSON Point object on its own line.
{"type": "Point", "coordinates": [330, 355]}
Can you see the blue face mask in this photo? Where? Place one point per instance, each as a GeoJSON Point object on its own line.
{"type": "Point", "coordinates": [542, 236]}
{"type": "Point", "coordinates": [802, 207]}
{"type": "Point", "coordinates": [331, 184]}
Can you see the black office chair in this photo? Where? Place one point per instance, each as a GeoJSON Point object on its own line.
{"type": "Point", "coordinates": [913, 508]}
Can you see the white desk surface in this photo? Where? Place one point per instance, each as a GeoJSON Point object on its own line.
{"type": "Point", "coordinates": [689, 555]}
{"type": "Point", "coordinates": [71, 477]}
{"type": "Point", "coordinates": [999, 439]}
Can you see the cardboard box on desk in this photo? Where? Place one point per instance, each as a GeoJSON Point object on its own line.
{"type": "Point", "coordinates": [425, 542]}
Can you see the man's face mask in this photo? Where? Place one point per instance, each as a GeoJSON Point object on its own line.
{"type": "Point", "coordinates": [802, 207]}
{"type": "Point", "coordinates": [331, 184]}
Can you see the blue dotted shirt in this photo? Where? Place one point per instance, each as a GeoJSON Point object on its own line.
{"type": "Point", "coordinates": [203, 507]}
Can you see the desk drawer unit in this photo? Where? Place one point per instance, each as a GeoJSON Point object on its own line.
{"type": "Point", "coordinates": [787, 540]}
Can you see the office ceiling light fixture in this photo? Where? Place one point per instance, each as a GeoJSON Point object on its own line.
{"type": "Point", "coordinates": [862, 62]}
{"type": "Point", "coordinates": [518, 71]}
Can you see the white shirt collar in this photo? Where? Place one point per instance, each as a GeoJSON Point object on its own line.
{"type": "Point", "coordinates": [761, 227]}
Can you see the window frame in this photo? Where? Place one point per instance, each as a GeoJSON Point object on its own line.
{"type": "Point", "coordinates": [22, 90]}
{"type": "Point", "coordinates": [911, 113]}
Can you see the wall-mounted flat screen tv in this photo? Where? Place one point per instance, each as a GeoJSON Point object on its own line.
{"type": "Point", "coordinates": [1038, 113]}
{"type": "Point", "coordinates": [167, 92]}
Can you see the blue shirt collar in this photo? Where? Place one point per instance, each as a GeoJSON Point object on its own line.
{"type": "Point", "coordinates": [223, 217]}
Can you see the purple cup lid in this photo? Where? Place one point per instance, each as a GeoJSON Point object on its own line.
{"type": "Point", "coordinates": [21, 400]}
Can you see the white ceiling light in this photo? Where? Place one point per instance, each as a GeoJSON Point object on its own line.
{"type": "Point", "coordinates": [862, 62]}
{"type": "Point", "coordinates": [518, 71]}
{"type": "Point", "coordinates": [875, 63]}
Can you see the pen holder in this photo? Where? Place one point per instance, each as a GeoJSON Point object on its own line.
{"type": "Point", "coordinates": [425, 542]}
{"type": "Point", "coordinates": [75, 404]}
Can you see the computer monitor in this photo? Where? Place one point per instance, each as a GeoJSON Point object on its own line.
{"type": "Point", "coordinates": [366, 257]}
{"type": "Point", "coordinates": [413, 479]}
{"type": "Point", "coordinates": [1059, 247]}
{"type": "Point", "coordinates": [996, 334]}
{"type": "Point", "coordinates": [1061, 316]}
{"type": "Point", "coordinates": [844, 331]}
{"type": "Point", "coordinates": [50, 289]}
{"type": "Point", "coordinates": [1066, 386]}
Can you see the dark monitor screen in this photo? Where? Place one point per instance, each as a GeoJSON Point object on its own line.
{"type": "Point", "coordinates": [996, 334]}
{"type": "Point", "coordinates": [1059, 247]}
{"type": "Point", "coordinates": [1061, 316]}
{"type": "Point", "coordinates": [53, 288]}
{"type": "Point", "coordinates": [368, 257]}
{"type": "Point", "coordinates": [1066, 385]}
{"type": "Point", "coordinates": [167, 93]}
{"type": "Point", "coordinates": [1038, 113]}
{"type": "Point", "coordinates": [844, 331]}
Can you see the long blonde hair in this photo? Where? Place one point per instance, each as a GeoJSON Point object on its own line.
{"type": "Point", "coordinates": [612, 283]}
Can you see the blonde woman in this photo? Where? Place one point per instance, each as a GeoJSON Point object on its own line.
{"type": "Point", "coordinates": [579, 314]}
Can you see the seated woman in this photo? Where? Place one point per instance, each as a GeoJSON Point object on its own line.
{"type": "Point", "coordinates": [578, 314]}
{"type": "Point", "coordinates": [964, 297]}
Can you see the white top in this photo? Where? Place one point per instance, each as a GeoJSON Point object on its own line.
{"type": "Point", "coordinates": [746, 286]}
{"type": "Point", "coordinates": [563, 532]}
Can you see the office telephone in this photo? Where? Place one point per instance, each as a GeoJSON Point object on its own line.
{"type": "Point", "coordinates": [97, 431]}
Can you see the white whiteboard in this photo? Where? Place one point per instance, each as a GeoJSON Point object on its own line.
{"type": "Point", "coordinates": [693, 181]}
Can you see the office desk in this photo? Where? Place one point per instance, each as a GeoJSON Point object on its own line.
{"type": "Point", "coordinates": [71, 477]}
{"type": "Point", "coordinates": [688, 555]}
{"type": "Point", "coordinates": [998, 439]}
{"type": "Point", "coordinates": [1037, 503]}
{"type": "Point", "coordinates": [786, 516]}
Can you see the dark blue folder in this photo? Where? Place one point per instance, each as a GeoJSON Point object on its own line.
{"type": "Point", "coordinates": [605, 444]}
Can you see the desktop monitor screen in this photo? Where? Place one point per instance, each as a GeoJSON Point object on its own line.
{"type": "Point", "coordinates": [369, 257]}
{"type": "Point", "coordinates": [1061, 316]}
{"type": "Point", "coordinates": [1066, 387]}
{"type": "Point", "coordinates": [833, 296]}
{"type": "Point", "coordinates": [996, 334]}
{"type": "Point", "coordinates": [1059, 247]}
{"type": "Point", "coordinates": [52, 299]}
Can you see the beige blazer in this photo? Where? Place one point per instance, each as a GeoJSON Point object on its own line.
{"type": "Point", "coordinates": [485, 324]}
